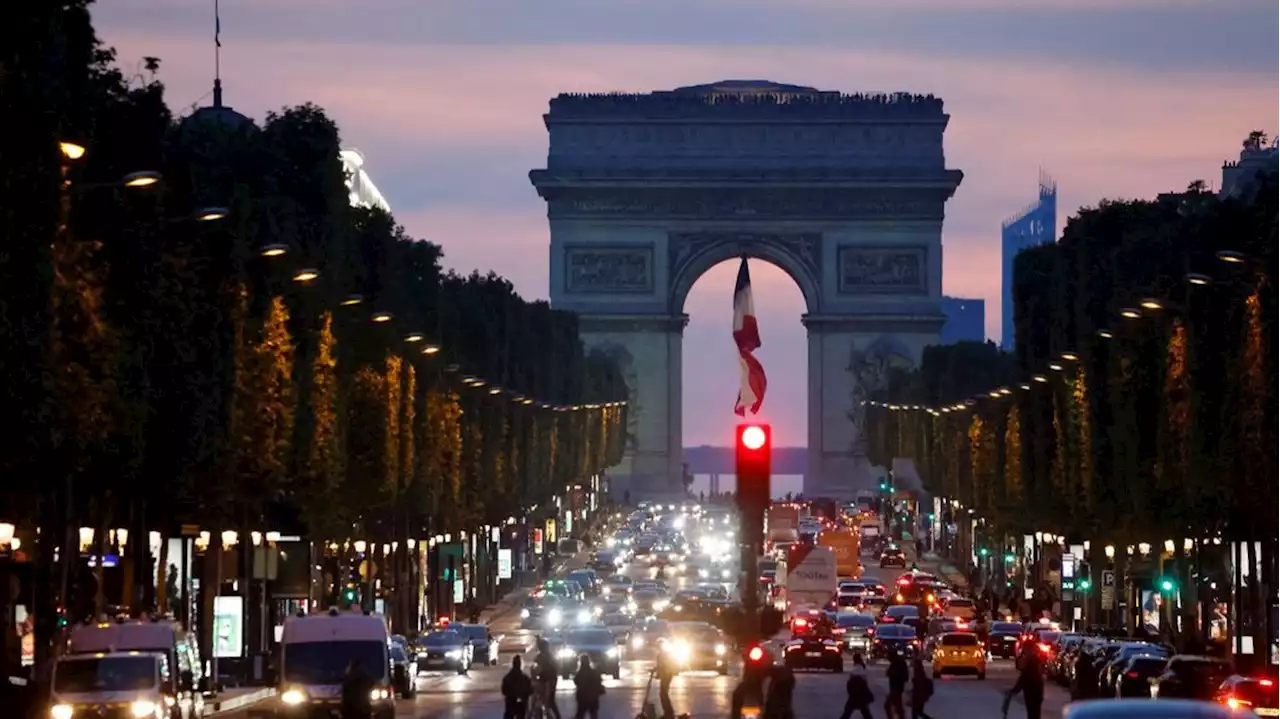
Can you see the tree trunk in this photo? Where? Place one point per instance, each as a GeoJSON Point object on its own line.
{"type": "Point", "coordinates": [162, 574]}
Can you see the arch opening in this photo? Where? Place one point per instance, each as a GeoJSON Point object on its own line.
{"type": "Point", "coordinates": [710, 372]}
{"type": "Point", "coordinates": [687, 271]}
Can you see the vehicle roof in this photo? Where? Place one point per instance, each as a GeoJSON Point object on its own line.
{"type": "Point", "coordinates": [108, 637]}
{"type": "Point", "coordinates": [89, 656]}
{"type": "Point", "coordinates": [348, 627]}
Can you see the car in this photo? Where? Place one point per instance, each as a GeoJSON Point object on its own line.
{"type": "Point", "coordinates": [961, 608]}
{"type": "Point", "coordinates": [404, 671]}
{"type": "Point", "coordinates": [894, 639]}
{"type": "Point", "coordinates": [617, 584]}
{"type": "Point", "coordinates": [811, 623]}
{"type": "Point", "coordinates": [898, 613]}
{"type": "Point", "coordinates": [446, 650]}
{"type": "Point", "coordinates": [1256, 693]}
{"type": "Point", "coordinates": [1146, 709]}
{"type": "Point", "coordinates": [604, 561]}
{"type": "Point", "coordinates": [892, 556]}
{"type": "Point", "coordinates": [314, 653]}
{"type": "Point", "coordinates": [484, 646]}
{"type": "Point", "coordinates": [1002, 639]}
{"type": "Point", "coordinates": [595, 642]}
{"type": "Point", "coordinates": [959, 652]}
{"type": "Point", "coordinates": [855, 630]}
{"type": "Point", "coordinates": [696, 646]}
{"type": "Point", "coordinates": [813, 651]}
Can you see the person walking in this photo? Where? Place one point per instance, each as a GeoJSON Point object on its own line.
{"type": "Point", "coordinates": [357, 689]}
{"type": "Point", "coordinates": [666, 670]}
{"type": "Point", "coordinates": [897, 674]}
{"type": "Point", "coordinates": [858, 689]}
{"type": "Point", "coordinates": [921, 690]}
{"type": "Point", "coordinates": [517, 687]}
{"type": "Point", "coordinates": [545, 676]}
{"type": "Point", "coordinates": [589, 688]}
{"type": "Point", "coordinates": [1030, 682]}
{"type": "Point", "coordinates": [782, 689]}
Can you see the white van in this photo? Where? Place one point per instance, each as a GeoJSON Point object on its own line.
{"type": "Point", "coordinates": [182, 675]}
{"type": "Point", "coordinates": [135, 682]}
{"type": "Point", "coordinates": [315, 652]}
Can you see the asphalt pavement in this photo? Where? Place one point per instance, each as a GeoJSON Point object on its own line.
{"type": "Point", "coordinates": [444, 695]}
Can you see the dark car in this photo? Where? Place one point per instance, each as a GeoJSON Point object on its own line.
{"type": "Point", "coordinates": [1002, 639]}
{"type": "Point", "coordinates": [697, 646]}
{"type": "Point", "coordinates": [894, 639]}
{"type": "Point", "coordinates": [404, 671]}
{"type": "Point", "coordinates": [855, 630]}
{"type": "Point", "coordinates": [1111, 672]}
{"type": "Point", "coordinates": [892, 556]}
{"type": "Point", "coordinates": [446, 650]}
{"type": "Point", "coordinates": [1135, 679]}
{"type": "Point", "coordinates": [1258, 694]}
{"type": "Point", "coordinates": [605, 561]}
{"type": "Point", "coordinates": [598, 643]}
{"type": "Point", "coordinates": [813, 651]}
{"type": "Point", "coordinates": [484, 646]}
{"type": "Point", "coordinates": [1189, 676]}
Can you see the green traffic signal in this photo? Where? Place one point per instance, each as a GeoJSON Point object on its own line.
{"type": "Point", "coordinates": [349, 595]}
{"type": "Point", "coordinates": [983, 552]}
{"type": "Point", "coordinates": [1085, 584]}
{"type": "Point", "coordinates": [1008, 558]}
{"type": "Point", "coordinates": [1167, 585]}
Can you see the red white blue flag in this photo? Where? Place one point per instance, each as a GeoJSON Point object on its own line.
{"type": "Point", "coordinates": [746, 334]}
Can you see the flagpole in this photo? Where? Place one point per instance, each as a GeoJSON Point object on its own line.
{"type": "Point", "coordinates": [217, 55]}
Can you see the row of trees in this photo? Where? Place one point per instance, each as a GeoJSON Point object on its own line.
{"type": "Point", "coordinates": [158, 367]}
{"type": "Point", "coordinates": [1139, 402]}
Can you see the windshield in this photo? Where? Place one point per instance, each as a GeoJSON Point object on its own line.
{"type": "Point", "coordinates": [474, 631]}
{"type": "Point", "coordinates": [896, 631]}
{"type": "Point", "coordinates": [855, 620]}
{"type": "Point", "coordinates": [107, 674]}
{"type": "Point", "coordinates": [960, 603]}
{"type": "Point", "coordinates": [1006, 628]}
{"type": "Point", "coordinates": [589, 637]}
{"type": "Point", "coordinates": [327, 662]}
{"type": "Point", "coordinates": [959, 640]}
{"type": "Point", "coordinates": [397, 653]}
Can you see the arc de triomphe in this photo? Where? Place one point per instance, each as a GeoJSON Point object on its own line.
{"type": "Point", "coordinates": [845, 193]}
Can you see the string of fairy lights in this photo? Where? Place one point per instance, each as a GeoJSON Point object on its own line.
{"type": "Point", "coordinates": [1146, 307]}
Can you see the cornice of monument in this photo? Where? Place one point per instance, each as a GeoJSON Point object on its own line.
{"type": "Point", "coordinates": [746, 102]}
{"type": "Point", "coordinates": [719, 177]}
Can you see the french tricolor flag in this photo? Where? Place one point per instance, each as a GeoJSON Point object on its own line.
{"type": "Point", "coordinates": [746, 334]}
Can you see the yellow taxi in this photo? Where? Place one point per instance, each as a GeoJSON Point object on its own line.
{"type": "Point", "coordinates": [960, 653]}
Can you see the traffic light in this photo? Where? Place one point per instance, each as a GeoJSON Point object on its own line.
{"type": "Point", "coordinates": [1084, 585]}
{"type": "Point", "coordinates": [754, 450]}
{"type": "Point", "coordinates": [1009, 557]}
{"type": "Point", "coordinates": [350, 595]}
{"type": "Point", "coordinates": [884, 486]}
{"type": "Point", "coordinates": [1167, 585]}
{"type": "Point", "coordinates": [984, 552]}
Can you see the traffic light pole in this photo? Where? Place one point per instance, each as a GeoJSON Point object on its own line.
{"type": "Point", "coordinates": [752, 521]}
{"type": "Point", "coordinates": [753, 454]}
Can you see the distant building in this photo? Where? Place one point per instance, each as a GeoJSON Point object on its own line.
{"type": "Point", "coordinates": [1036, 225]}
{"type": "Point", "coordinates": [1257, 156]}
{"type": "Point", "coordinates": [361, 189]}
{"type": "Point", "coordinates": [966, 320]}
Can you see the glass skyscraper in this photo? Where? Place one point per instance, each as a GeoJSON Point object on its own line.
{"type": "Point", "coordinates": [1036, 225]}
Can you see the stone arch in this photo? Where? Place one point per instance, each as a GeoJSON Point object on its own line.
{"type": "Point", "coordinates": [692, 256]}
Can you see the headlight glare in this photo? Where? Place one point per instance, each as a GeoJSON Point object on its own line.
{"type": "Point", "coordinates": [524, 613]}
{"type": "Point", "coordinates": [143, 708]}
{"type": "Point", "coordinates": [61, 711]}
{"type": "Point", "coordinates": [293, 697]}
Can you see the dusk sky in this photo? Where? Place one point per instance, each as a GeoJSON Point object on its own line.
{"type": "Point", "coordinates": [1113, 98]}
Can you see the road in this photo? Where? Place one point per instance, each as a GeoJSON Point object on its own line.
{"type": "Point", "coordinates": [702, 694]}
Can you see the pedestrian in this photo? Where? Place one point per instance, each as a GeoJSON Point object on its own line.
{"type": "Point", "coordinates": [897, 674]}
{"type": "Point", "coordinates": [667, 670]}
{"type": "Point", "coordinates": [1030, 682]}
{"type": "Point", "coordinates": [921, 690]}
{"type": "Point", "coordinates": [357, 690]}
{"type": "Point", "coordinates": [589, 687]}
{"type": "Point", "coordinates": [517, 687]}
{"type": "Point", "coordinates": [546, 674]}
{"type": "Point", "coordinates": [858, 690]}
{"type": "Point", "coordinates": [782, 688]}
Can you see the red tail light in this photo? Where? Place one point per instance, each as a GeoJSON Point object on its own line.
{"type": "Point", "coordinates": [755, 654]}
{"type": "Point", "coordinates": [903, 582]}
{"type": "Point", "coordinates": [1266, 682]}
{"type": "Point", "coordinates": [801, 622]}
{"type": "Point", "coordinates": [1131, 675]}
{"type": "Point", "coordinates": [871, 631]}
{"type": "Point", "coordinates": [1236, 703]}
{"type": "Point", "coordinates": [838, 630]}
{"type": "Point", "coordinates": [1046, 648]}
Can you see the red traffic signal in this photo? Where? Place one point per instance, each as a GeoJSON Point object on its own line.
{"type": "Point", "coordinates": [754, 453]}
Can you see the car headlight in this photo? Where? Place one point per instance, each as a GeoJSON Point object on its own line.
{"type": "Point", "coordinates": [293, 697]}
{"type": "Point", "coordinates": [636, 643]}
{"type": "Point", "coordinates": [680, 650]}
{"type": "Point", "coordinates": [584, 616]}
{"type": "Point", "coordinates": [143, 708]}
{"type": "Point", "coordinates": [553, 617]}
{"type": "Point", "coordinates": [379, 694]}
{"type": "Point", "coordinates": [725, 574]}
{"type": "Point", "coordinates": [611, 652]}
{"type": "Point", "coordinates": [524, 613]}
{"type": "Point", "coordinates": [454, 653]}
{"type": "Point", "coordinates": [631, 607]}
{"type": "Point", "coordinates": [61, 711]}
{"type": "Point", "coordinates": [597, 611]}
{"type": "Point", "coordinates": [565, 653]}
{"type": "Point", "coordinates": [660, 605]}
{"type": "Point", "coordinates": [606, 591]}
{"type": "Point", "coordinates": [703, 574]}
{"type": "Point", "coordinates": [720, 650]}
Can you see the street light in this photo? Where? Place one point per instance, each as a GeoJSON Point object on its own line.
{"type": "Point", "coordinates": [1131, 313]}
{"type": "Point", "coordinates": [210, 214]}
{"type": "Point", "coordinates": [1105, 334]}
{"type": "Point", "coordinates": [414, 337]}
{"type": "Point", "coordinates": [305, 276]}
{"type": "Point", "coordinates": [1070, 356]}
{"type": "Point", "coordinates": [351, 300]}
{"type": "Point", "coordinates": [381, 317]}
{"type": "Point", "coordinates": [1231, 257]}
{"type": "Point", "coordinates": [144, 178]}
{"type": "Point", "coordinates": [273, 250]}
{"type": "Point", "coordinates": [1196, 278]}
{"type": "Point", "coordinates": [1151, 303]}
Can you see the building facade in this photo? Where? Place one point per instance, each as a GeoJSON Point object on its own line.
{"type": "Point", "coordinates": [1036, 225]}
{"type": "Point", "coordinates": [1257, 156]}
{"type": "Point", "coordinates": [360, 189]}
{"type": "Point", "coordinates": [966, 320]}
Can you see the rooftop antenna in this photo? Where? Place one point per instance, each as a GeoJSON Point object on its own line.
{"type": "Point", "coordinates": [217, 55]}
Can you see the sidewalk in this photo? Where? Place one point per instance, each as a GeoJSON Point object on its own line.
{"type": "Point", "coordinates": [230, 700]}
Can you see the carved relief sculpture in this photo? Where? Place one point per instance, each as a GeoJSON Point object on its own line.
{"type": "Point", "coordinates": [883, 271]}
{"type": "Point", "coordinates": [608, 270]}
{"type": "Point", "coordinates": [870, 369]}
